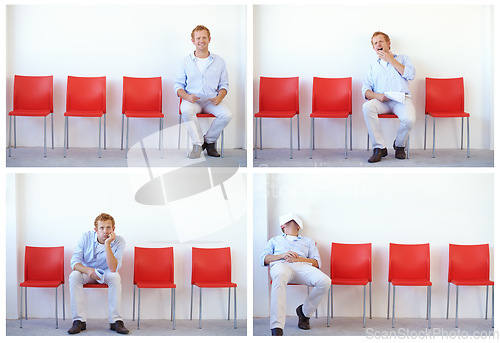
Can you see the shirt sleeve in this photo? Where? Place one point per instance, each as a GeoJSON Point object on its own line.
{"type": "Point", "coordinates": [78, 253]}
{"type": "Point", "coordinates": [118, 250]}
{"type": "Point", "coordinates": [269, 250]}
{"type": "Point", "coordinates": [314, 252]}
{"type": "Point", "coordinates": [367, 83]}
{"type": "Point", "coordinates": [224, 80]}
{"type": "Point", "coordinates": [409, 72]}
{"type": "Point", "coordinates": [180, 78]}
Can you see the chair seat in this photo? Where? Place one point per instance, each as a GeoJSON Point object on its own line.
{"type": "Point", "coordinates": [83, 114]}
{"type": "Point", "coordinates": [156, 285]}
{"type": "Point", "coordinates": [50, 284]}
{"type": "Point", "coordinates": [448, 114]}
{"type": "Point", "coordinates": [350, 282]}
{"type": "Point", "coordinates": [275, 114]}
{"type": "Point", "coordinates": [215, 284]}
{"type": "Point", "coordinates": [205, 115]}
{"type": "Point", "coordinates": [30, 113]}
{"type": "Point", "coordinates": [330, 114]}
{"type": "Point", "coordinates": [472, 282]}
{"type": "Point", "coordinates": [95, 285]}
{"type": "Point", "coordinates": [411, 282]}
{"type": "Point", "coordinates": [143, 114]}
{"type": "Point", "coordinates": [387, 115]}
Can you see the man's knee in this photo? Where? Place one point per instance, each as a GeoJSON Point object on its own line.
{"type": "Point", "coordinates": [113, 279]}
{"type": "Point", "coordinates": [370, 108]}
{"type": "Point", "coordinates": [75, 277]}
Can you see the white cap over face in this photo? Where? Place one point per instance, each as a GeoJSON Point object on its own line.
{"type": "Point", "coordinates": [290, 216]}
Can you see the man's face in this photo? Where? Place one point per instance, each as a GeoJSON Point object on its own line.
{"type": "Point", "coordinates": [104, 229]}
{"type": "Point", "coordinates": [201, 40]}
{"type": "Point", "coordinates": [291, 228]}
{"type": "Point", "coordinates": [379, 43]}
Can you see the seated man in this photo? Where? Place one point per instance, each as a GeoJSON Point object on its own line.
{"type": "Point", "coordinates": [97, 258]}
{"type": "Point", "coordinates": [293, 258]}
{"type": "Point", "coordinates": [202, 82]}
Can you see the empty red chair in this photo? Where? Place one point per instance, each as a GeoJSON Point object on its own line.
{"type": "Point", "coordinates": [85, 97]}
{"type": "Point", "coordinates": [211, 268]}
{"type": "Point", "coordinates": [469, 265]}
{"type": "Point", "coordinates": [199, 115]}
{"type": "Point", "coordinates": [351, 264]}
{"type": "Point", "coordinates": [278, 98]}
{"type": "Point", "coordinates": [33, 97]}
{"type": "Point", "coordinates": [332, 98]}
{"type": "Point", "coordinates": [389, 115]}
{"type": "Point", "coordinates": [44, 268]}
{"type": "Point", "coordinates": [154, 268]}
{"type": "Point", "coordinates": [142, 98]}
{"type": "Point", "coordinates": [409, 265]}
{"type": "Point", "coordinates": [444, 98]}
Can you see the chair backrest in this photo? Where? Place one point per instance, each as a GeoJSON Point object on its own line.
{"type": "Point", "coordinates": [351, 261]}
{"type": "Point", "coordinates": [211, 265]}
{"type": "Point", "coordinates": [141, 94]}
{"type": "Point", "coordinates": [33, 93]}
{"type": "Point", "coordinates": [469, 262]}
{"type": "Point", "coordinates": [409, 261]}
{"type": "Point", "coordinates": [332, 94]}
{"type": "Point", "coordinates": [444, 95]}
{"type": "Point", "coordinates": [44, 264]}
{"type": "Point", "coordinates": [153, 264]}
{"type": "Point", "coordinates": [86, 94]}
{"type": "Point", "coordinates": [279, 94]}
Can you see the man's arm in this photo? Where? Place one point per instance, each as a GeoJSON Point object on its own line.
{"type": "Point", "coordinates": [110, 257]}
{"type": "Point", "coordinates": [181, 93]}
{"type": "Point", "coordinates": [86, 270]}
{"type": "Point", "coordinates": [389, 58]}
{"type": "Point", "coordinates": [313, 261]}
{"type": "Point", "coordinates": [372, 95]}
{"type": "Point", "coordinates": [217, 100]}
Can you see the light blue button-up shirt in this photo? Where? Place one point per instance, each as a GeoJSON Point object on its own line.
{"type": "Point", "coordinates": [303, 246]}
{"type": "Point", "coordinates": [205, 85]}
{"type": "Point", "coordinates": [91, 253]}
{"type": "Point", "coordinates": [383, 77]}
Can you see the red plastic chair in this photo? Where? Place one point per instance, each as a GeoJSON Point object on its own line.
{"type": "Point", "coordinates": [142, 98]}
{"type": "Point", "coordinates": [211, 268]}
{"type": "Point", "coordinates": [43, 268]}
{"type": "Point", "coordinates": [351, 264]}
{"type": "Point", "coordinates": [332, 98]}
{"type": "Point", "coordinates": [444, 98]}
{"type": "Point", "coordinates": [33, 97]}
{"type": "Point", "coordinates": [469, 265]}
{"type": "Point", "coordinates": [85, 97]}
{"type": "Point", "coordinates": [409, 265]}
{"type": "Point", "coordinates": [199, 115]}
{"type": "Point", "coordinates": [278, 98]}
{"type": "Point", "coordinates": [154, 268]}
{"type": "Point", "coordinates": [389, 115]}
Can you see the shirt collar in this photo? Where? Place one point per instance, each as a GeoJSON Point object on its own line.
{"type": "Point", "coordinates": [194, 58]}
{"type": "Point", "coordinates": [284, 236]}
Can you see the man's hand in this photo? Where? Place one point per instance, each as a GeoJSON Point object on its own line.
{"type": "Point", "coordinates": [192, 98]}
{"type": "Point", "coordinates": [91, 273]}
{"type": "Point", "coordinates": [289, 255]}
{"type": "Point", "coordinates": [381, 97]}
{"type": "Point", "coordinates": [111, 238]}
{"type": "Point", "coordinates": [217, 100]}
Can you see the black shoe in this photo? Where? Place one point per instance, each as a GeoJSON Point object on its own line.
{"type": "Point", "coordinates": [400, 151]}
{"type": "Point", "coordinates": [377, 155]}
{"type": "Point", "coordinates": [78, 326]}
{"type": "Point", "coordinates": [277, 332]}
{"type": "Point", "coordinates": [211, 150]}
{"type": "Point", "coordinates": [303, 320]}
{"type": "Point", "coordinates": [119, 327]}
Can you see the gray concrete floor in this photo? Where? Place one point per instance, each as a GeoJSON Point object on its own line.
{"type": "Point", "coordinates": [359, 158]}
{"type": "Point", "coordinates": [149, 327]}
{"type": "Point", "coordinates": [382, 328]}
{"type": "Point", "coordinates": [114, 157]}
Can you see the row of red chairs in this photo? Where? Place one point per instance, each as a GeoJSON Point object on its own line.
{"type": "Point", "coordinates": [153, 268]}
{"type": "Point", "coordinates": [86, 97]}
{"type": "Point", "coordinates": [332, 98]}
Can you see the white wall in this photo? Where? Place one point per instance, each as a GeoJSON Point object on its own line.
{"type": "Point", "coordinates": [381, 208]}
{"type": "Point", "coordinates": [53, 209]}
{"type": "Point", "coordinates": [334, 41]}
{"type": "Point", "coordinates": [116, 41]}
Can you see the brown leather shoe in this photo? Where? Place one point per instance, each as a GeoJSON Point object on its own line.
{"type": "Point", "coordinates": [211, 150]}
{"type": "Point", "coordinates": [78, 326]}
{"type": "Point", "coordinates": [303, 320]}
{"type": "Point", "coordinates": [119, 327]}
{"type": "Point", "coordinates": [377, 155]}
{"type": "Point", "coordinates": [400, 151]}
{"type": "Point", "coordinates": [277, 332]}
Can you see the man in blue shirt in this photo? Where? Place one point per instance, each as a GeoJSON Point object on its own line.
{"type": "Point", "coordinates": [202, 82]}
{"type": "Point", "coordinates": [386, 87]}
{"type": "Point", "coordinates": [293, 258]}
{"type": "Point", "coordinates": [97, 259]}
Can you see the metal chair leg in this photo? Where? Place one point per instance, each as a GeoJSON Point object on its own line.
{"type": "Point", "coordinates": [65, 135]}
{"type": "Point", "coordinates": [456, 310]}
{"type": "Point", "coordinates": [388, 298]}
{"type": "Point", "coordinates": [191, 312]}
{"type": "Point", "coordinates": [486, 313]}
{"type": "Point", "coordinates": [235, 307]}
{"type": "Point", "coordinates": [393, 303]}
{"type": "Point", "coordinates": [133, 304]}
{"type": "Point", "coordinates": [173, 289]}
{"type": "Point", "coordinates": [139, 311]}
{"type": "Point", "coordinates": [179, 137]}
{"type": "Point", "coordinates": [448, 301]}
{"type": "Point", "coordinates": [425, 131]}
{"type": "Point", "coordinates": [430, 304]}
{"type": "Point", "coordinates": [364, 306]}
{"type": "Point", "coordinates": [21, 311]}
{"type": "Point", "coordinates": [312, 139]}
{"type": "Point", "coordinates": [370, 300]}
{"type": "Point", "coordinates": [104, 131]}
{"type": "Point", "coordinates": [126, 146]}
{"type": "Point", "coordinates": [99, 137]}
{"type": "Point", "coordinates": [255, 139]}
{"type": "Point", "coordinates": [462, 135]}
{"type": "Point", "coordinates": [52, 127]}
{"type": "Point", "coordinates": [44, 137]}
{"type": "Point", "coordinates": [228, 302]}
{"type": "Point", "coordinates": [291, 153]}
{"type": "Point", "coordinates": [199, 325]}
{"type": "Point", "coordinates": [123, 115]}
{"type": "Point", "coordinates": [345, 138]}
{"type": "Point", "coordinates": [328, 307]}
{"type": "Point", "coordinates": [468, 140]}
{"type": "Point", "coordinates": [433, 137]}
{"type": "Point", "coordinates": [260, 130]}
{"type": "Point", "coordinates": [57, 319]}
{"type": "Point", "coordinates": [298, 133]}
{"type": "Point", "coordinates": [15, 132]}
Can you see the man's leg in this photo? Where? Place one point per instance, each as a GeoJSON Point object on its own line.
{"type": "Point", "coordinates": [76, 282]}
{"type": "Point", "coordinates": [222, 117]}
{"type": "Point", "coordinates": [406, 115]}
{"type": "Point", "coordinates": [371, 110]}
{"type": "Point", "coordinates": [315, 278]}
{"type": "Point", "coordinates": [281, 274]}
{"type": "Point", "coordinates": [189, 111]}
{"type": "Point", "coordinates": [114, 282]}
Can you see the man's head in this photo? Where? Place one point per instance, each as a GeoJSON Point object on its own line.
{"type": "Point", "coordinates": [200, 28]}
{"type": "Point", "coordinates": [290, 224]}
{"type": "Point", "coordinates": [381, 41]}
{"type": "Point", "coordinates": [200, 37]}
{"type": "Point", "coordinates": [104, 225]}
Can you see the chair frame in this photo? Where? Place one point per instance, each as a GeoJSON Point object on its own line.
{"type": "Point", "coordinates": [389, 115]}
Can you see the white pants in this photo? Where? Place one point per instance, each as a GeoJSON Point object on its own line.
{"type": "Point", "coordinates": [405, 113]}
{"type": "Point", "coordinates": [301, 273]}
{"type": "Point", "coordinates": [76, 282]}
{"type": "Point", "coordinates": [222, 117]}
